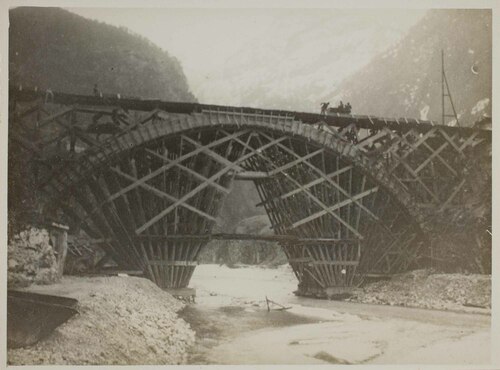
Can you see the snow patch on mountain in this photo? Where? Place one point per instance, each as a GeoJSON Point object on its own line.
{"type": "Point", "coordinates": [454, 121]}
{"type": "Point", "coordinates": [480, 106]}
{"type": "Point", "coordinates": [424, 112]}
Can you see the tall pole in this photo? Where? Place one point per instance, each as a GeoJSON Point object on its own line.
{"type": "Point", "coordinates": [442, 86]}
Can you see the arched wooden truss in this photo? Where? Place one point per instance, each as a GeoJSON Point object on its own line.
{"type": "Point", "coordinates": [149, 185]}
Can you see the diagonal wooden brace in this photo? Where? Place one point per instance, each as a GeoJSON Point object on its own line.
{"type": "Point", "coordinates": [335, 207]}
{"type": "Point", "coordinates": [157, 192]}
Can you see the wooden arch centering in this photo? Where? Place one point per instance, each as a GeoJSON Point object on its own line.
{"type": "Point", "coordinates": [153, 195]}
{"type": "Point", "coordinates": [340, 202]}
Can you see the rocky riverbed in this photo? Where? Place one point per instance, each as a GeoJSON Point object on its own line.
{"type": "Point", "coordinates": [428, 289]}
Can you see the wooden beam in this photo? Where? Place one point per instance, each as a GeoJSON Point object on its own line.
{"type": "Point", "coordinates": [469, 140]}
{"type": "Point", "coordinates": [54, 116]}
{"type": "Point", "coordinates": [251, 175]}
{"type": "Point", "coordinates": [28, 145]}
{"type": "Point", "coordinates": [282, 238]}
{"type": "Point", "coordinates": [190, 171]}
{"type": "Point", "coordinates": [315, 278]}
{"type": "Point", "coordinates": [371, 139]}
{"type": "Point", "coordinates": [327, 179]}
{"type": "Point", "coordinates": [344, 129]}
{"type": "Point", "coordinates": [450, 198]}
{"type": "Point", "coordinates": [72, 128]}
{"type": "Point", "coordinates": [174, 162]}
{"type": "Point", "coordinates": [172, 263]}
{"type": "Point", "coordinates": [211, 153]}
{"type": "Point", "coordinates": [28, 111]}
{"type": "Point", "coordinates": [335, 263]}
{"type": "Point", "coordinates": [300, 260]}
{"type": "Point", "coordinates": [295, 162]}
{"type": "Point", "coordinates": [416, 176]}
{"type": "Point", "coordinates": [452, 142]}
{"type": "Point", "coordinates": [306, 191]}
{"type": "Point", "coordinates": [157, 192]}
{"type": "Point", "coordinates": [335, 207]}
{"type": "Point", "coordinates": [443, 161]}
{"type": "Point", "coordinates": [186, 197]}
{"type": "Point", "coordinates": [431, 157]}
{"type": "Point", "coordinates": [320, 203]}
{"type": "Point", "coordinates": [317, 181]}
{"type": "Point", "coordinates": [419, 142]}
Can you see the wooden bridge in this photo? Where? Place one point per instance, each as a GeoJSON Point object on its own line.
{"type": "Point", "coordinates": [346, 194]}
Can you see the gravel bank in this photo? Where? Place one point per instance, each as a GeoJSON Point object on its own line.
{"type": "Point", "coordinates": [122, 320]}
{"type": "Point", "coordinates": [425, 289]}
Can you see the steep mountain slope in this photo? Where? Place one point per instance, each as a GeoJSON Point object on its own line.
{"type": "Point", "coordinates": [405, 80]}
{"type": "Point", "coordinates": [54, 49]}
{"type": "Point", "coordinates": [301, 56]}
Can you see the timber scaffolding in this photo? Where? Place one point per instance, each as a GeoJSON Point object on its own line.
{"type": "Point", "coordinates": [346, 195]}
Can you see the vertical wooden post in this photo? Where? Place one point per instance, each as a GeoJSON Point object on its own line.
{"type": "Point", "coordinates": [59, 238]}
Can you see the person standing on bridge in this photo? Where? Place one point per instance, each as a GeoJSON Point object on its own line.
{"type": "Point", "coordinates": [324, 107]}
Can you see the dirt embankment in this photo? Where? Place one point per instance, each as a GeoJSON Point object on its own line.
{"type": "Point", "coordinates": [425, 289]}
{"type": "Point", "coordinates": [122, 320]}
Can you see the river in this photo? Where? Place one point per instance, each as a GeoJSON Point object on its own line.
{"type": "Point", "coordinates": [233, 326]}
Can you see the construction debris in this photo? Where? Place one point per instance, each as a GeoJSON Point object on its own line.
{"type": "Point", "coordinates": [281, 307]}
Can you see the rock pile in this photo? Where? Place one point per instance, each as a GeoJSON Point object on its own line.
{"type": "Point", "coordinates": [122, 321]}
{"type": "Point", "coordinates": [31, 259]}
{"type": "Point", "coordinates": [425, 289]}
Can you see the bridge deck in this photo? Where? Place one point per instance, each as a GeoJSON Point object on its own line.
{"type": "Point", "coordinates": [335, 119]}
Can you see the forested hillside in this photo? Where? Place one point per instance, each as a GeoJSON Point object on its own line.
{"type": "Point", "coordinates": [52, 48]}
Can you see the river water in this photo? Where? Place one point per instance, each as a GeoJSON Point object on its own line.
{"type": "Point", "coordinates": [233, 326]}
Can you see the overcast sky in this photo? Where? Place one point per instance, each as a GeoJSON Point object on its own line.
{"type": "Point", "coordinates": [203, 39]}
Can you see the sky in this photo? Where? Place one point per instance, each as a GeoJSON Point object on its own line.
{"type": "Point", "coordinates": [203, 40]}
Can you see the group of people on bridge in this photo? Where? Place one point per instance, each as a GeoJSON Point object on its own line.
{"type": "Point", "coordinates": [341, 108]}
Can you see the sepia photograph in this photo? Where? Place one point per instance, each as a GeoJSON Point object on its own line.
{"type": "Point", "coordinates": [249, 183]}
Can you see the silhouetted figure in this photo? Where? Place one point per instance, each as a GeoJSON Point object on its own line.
{"type": "Point", "coordinates": [96, 91]}
{"type": "Point", "coordinates": [348, 108]}
{"type": "Point", "coordinates": [341, 107]}
{"type": "Point", "coordinates": [352, 135]}
{"type": "Point", "coordinates": [324, 107]}
{"type": "Point", "coordinates": [115, 117]}
{"type": "Point", "coordinates": [49, 95]}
